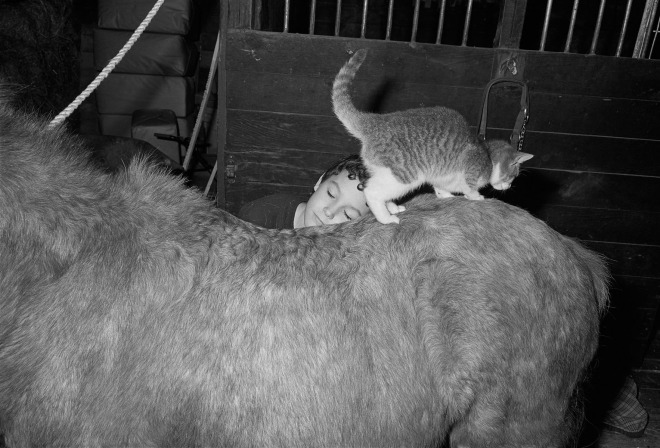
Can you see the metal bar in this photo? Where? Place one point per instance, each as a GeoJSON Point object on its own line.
{"type": "Point", "coordinates": [338, 18]}
{"type": "Point", "coordinates": [599, 22]}
{"type": "Point", "coordinates": [363, 30]}
{"type": "Point", "coordinates": [390, 8]}
{"type": "Point", "coordinates": [645, 28]}
{"type": "Point", "coordinates": [623, 29]}
{"type": "Point", "coordinates": [287, 10]}
{"type": "Point", "coordinates": [546, 22]}
{"type": "Point", "coordinates": [571, 27]}
{"type": "Point", "coordinates": [466, 25]}
{"type": "Point", "coordinates": [441, 21]}
{"type": "Point", "coordinates": [655, 35]}
{"type": "Point", "coordinates": [413, 35]}
{"type": "Point", "coordinates": [312, 17]}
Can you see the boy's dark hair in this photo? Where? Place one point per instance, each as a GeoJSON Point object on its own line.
{"type": "Point", "coordinates": [353, 164]}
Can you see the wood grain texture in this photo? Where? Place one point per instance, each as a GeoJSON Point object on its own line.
{"type": "Point", "coordinates": [550, 113]}
{"type": "Point", "coordinates": [566, 152]}
{"type": "Point", "coordinates": [599, 76]}
{"type": "Point", "coordinates": [322, 56]}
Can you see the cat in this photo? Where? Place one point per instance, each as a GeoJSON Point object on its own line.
{"type": "Point", "coordinates": [432, 145]}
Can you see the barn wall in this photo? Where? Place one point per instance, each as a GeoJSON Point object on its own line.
{"type": "Point", "coordinates": [593, 130]}
{"type": "Point", "coordinates": [209, 22]}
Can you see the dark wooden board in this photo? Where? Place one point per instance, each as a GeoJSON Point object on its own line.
{"type": "Point", "coordinates": [628, 259]}
{"type": "Point", "coordinates": [284, 167]}
{"type": "Point", "coordinates": [275, 131]}
{"type": "Point", "coordinates": [297, 94]}
{"type": "Point", "coordinates": [647, 379]}
{"type": "Point", "coordinates": [567, 114]}
{"type": "Point", "coordinates": [650, 399]}
{"type": "Point", "coordinates": [240, 194]}
{"type": "Point", "coordinates": [533, 190]}
{"type": "Point", "coordinates": [602, 76]}
{"type": "Point", "coordinates": [651, 364]}
{"type": "Point", "coordinates": [629, 323]}
{"type": "Point", "coordinates": [547, 72]}
{"type": "Point", "coordinates": [581, 114]}
{"type": "Point", "coordinates": [552, 151]}
{"type": "Point", "coordinates": [653, 351]}
{"type": "Point", "coordinates": [278, 53]}
{"type": "Point", "coordinates": [536, 187]}
{"type": "Point", "coordinates": [590, 153]}
{"type": "Point", "coordinates": [634, 292]}
{"type": "Point", "coordinates": [594, 224]}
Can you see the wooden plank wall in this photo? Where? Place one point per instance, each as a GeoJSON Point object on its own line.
{"type": "Point", "coordinates": [593, 129]}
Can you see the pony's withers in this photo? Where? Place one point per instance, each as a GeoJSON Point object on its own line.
{"type": "Point", "coordinates": [405, 149]}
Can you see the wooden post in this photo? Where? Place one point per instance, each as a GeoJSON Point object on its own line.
{"type": "Point", "coordinates": [242, 13]}
{"type": "Point", "coordinates": [509, 28]}
{"type": "Point", "coordinates": [220, 198]}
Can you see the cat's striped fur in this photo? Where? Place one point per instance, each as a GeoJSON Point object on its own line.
{"type": "Point", "coordinates": [405, 149]}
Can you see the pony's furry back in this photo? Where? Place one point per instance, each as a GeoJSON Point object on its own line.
{"type": "Point", "coordinates": [132, 313]}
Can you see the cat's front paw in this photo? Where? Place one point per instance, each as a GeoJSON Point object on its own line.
{"type": "Point", "coordinates": [442, 194]}
{"type": "Point", "coordinates": [389, 219]}
{"type": "Point", "coordinates": [381, 210]}
{"type": "Point", "coordinates": [386, 218]}
{"type": "Point", "coordinates": [393, 208]}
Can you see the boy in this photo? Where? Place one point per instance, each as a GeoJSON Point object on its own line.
{"type": "Point", "coordinates": [337, 197]}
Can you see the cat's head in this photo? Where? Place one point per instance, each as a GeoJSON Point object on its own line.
{"type": "Point", "coordinates": [506, 163]}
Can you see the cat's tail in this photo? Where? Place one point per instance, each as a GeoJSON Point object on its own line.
{"type": "Point", "coordinates": [341, 97]}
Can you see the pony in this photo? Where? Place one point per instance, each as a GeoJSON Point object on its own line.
{"type": "Point", "coordinates": [135, 313]}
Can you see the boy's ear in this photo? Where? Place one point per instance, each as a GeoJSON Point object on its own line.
{"type": "Point", "coordinates": [318, 182]}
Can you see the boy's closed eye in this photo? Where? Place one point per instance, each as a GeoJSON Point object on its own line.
{"type": "Point", "coordinates": [352, 214]}
{"type": "Point", "coordinates": [333, 190]}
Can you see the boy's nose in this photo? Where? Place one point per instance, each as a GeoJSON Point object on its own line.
{"type": "Point", "coordinates": [329, 213]}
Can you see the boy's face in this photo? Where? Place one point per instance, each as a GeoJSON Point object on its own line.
{"type": "Point", "coordinates": [336, 200]}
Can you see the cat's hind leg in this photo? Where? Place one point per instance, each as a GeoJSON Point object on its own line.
{"type": "Point", "coordinates": [474, 195]}
{"type": "Point", "coordinates": [439, 192]}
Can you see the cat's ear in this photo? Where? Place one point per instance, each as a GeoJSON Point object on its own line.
{"type": "Point", "coordinates": [523, 157]}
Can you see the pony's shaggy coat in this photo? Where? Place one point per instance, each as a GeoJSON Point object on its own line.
{"type": "Point", "coordinates": [132, 313]}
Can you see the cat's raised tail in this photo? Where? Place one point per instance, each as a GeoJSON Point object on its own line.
{"type": "Point", "coordinates": [341, 97]}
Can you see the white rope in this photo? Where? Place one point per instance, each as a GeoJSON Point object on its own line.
{"type": "Point", "coordinates": [108, 68]}
{"type": "Point", "coordinates": [202, 107]}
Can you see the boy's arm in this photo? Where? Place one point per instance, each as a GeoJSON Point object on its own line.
{"type": "Point", "coordinates": [275, 211]}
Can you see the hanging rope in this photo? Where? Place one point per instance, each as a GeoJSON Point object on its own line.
{"type": "Point", "coordinates": [202, 107]}
{"type": "Point", "coordinates": [108, 68]}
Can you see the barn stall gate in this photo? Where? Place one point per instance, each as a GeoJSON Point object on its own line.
{"type": "Point", "coordinates": [592, 72]}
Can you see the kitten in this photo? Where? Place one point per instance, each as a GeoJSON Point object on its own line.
{"type": "Point", "coordinates": [405, 149]}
